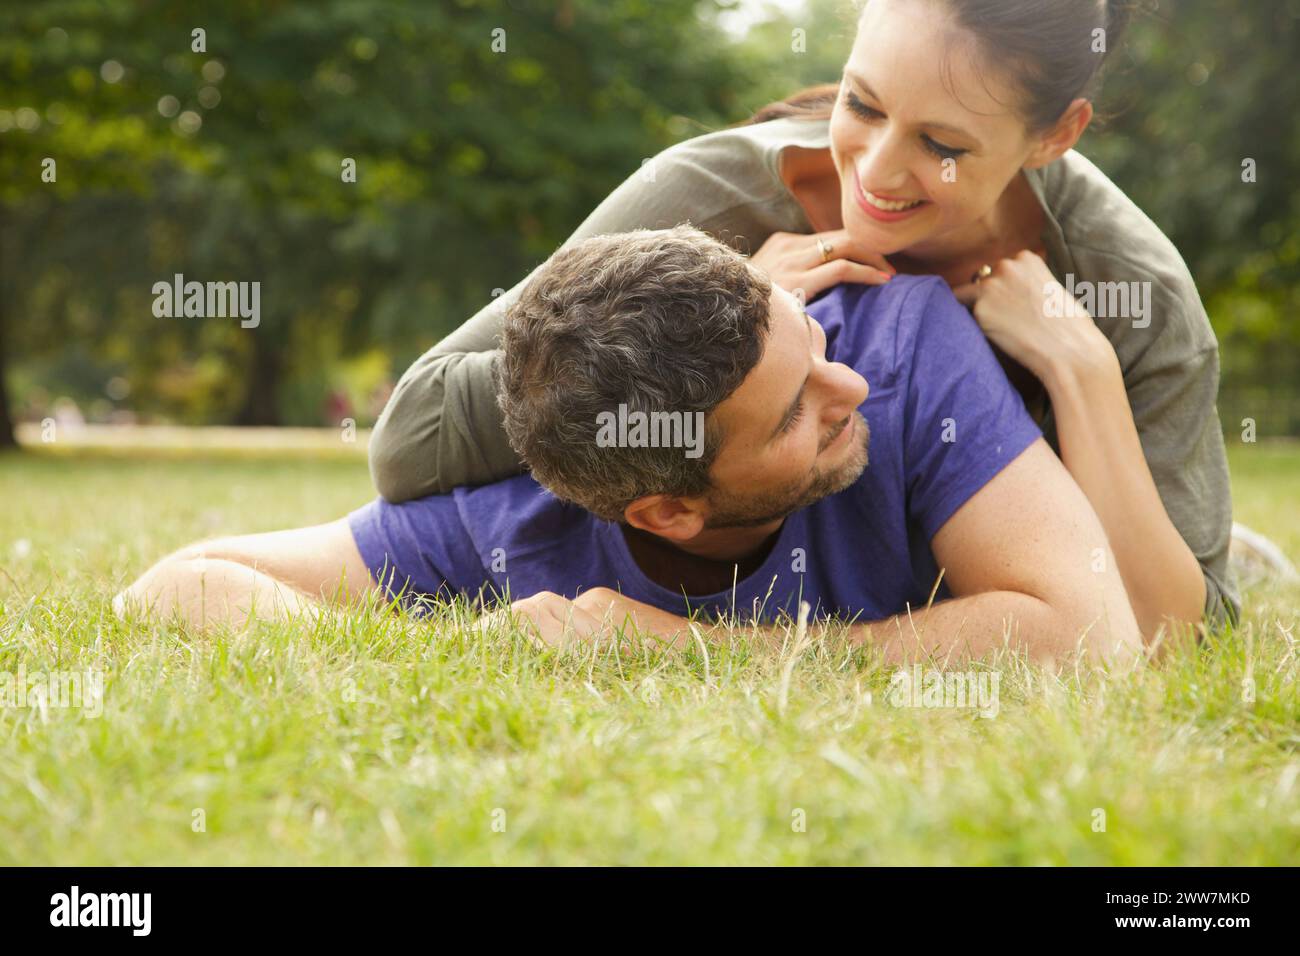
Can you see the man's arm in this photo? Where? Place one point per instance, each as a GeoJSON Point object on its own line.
{"type": "Point", "coordinates": [280, 574]}
{"type": "Point", "coordinates": [1029, 565]}
{"type": "Point", "coordinates": [1025, 557]}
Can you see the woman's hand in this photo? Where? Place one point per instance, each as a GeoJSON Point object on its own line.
{"type": "Point", "coordinates": [795, 261]}
{"type": "Point", "coordinates": [1026, 313]}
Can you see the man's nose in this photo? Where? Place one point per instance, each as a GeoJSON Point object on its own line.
{"type": "Point", "coordinates": [850, 388]}
{"type": "Point", "coordinates": [865, 390]}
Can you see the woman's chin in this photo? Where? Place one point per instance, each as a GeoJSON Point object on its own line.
{"type": "Point", "coordinates": [883, 237]}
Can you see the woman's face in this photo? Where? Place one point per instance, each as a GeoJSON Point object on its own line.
{"type": "Point", "coordinates": [920, 159]}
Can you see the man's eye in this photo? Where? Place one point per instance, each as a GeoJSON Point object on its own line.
{"type": "Point", "coordinates": [794, 419]}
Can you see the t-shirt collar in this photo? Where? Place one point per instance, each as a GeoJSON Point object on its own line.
{"type": "Point", "coordinates": [635, 581]}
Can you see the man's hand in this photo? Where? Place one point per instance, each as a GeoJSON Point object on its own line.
{"type": "Point", "coordinates": [554, 620]}
{"type": "Point", "coordinates": [549, 619]}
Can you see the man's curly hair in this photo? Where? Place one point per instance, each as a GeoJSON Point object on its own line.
{"type": "Point", "coordinates": [666, 320]}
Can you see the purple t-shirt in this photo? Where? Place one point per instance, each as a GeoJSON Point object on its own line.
{"type": "Point", "coordinates": [944, 420]}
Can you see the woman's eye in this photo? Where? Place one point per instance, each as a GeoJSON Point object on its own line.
{"type": "Point", "coordinates": [932, 146]}
{"type": "Point", "coordinates": [861, 109]}
{"type": "Point", "coordinates": [942, 151]}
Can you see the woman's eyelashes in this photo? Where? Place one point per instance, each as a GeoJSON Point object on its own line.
{"type": "Point", "coordinates": [932, 146]}
{"type": "Point", "coordinates": [861, 108]}
{"type": "Point", "coordinates": [938, 149]}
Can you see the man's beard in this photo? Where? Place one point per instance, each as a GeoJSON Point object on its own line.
{"type": "Point", "coordinates": [730, 510]}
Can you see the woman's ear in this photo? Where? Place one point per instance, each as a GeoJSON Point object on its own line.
{"type": "Point", "coordinates": [1061, 137]}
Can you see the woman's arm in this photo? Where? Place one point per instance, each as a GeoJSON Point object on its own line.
{"type": "Point", "coordinates": [1144, 444]}
{"type": "Point", "coordinates": [1101, 448]}
{"type": "Point", "coordinates": [442, 427]}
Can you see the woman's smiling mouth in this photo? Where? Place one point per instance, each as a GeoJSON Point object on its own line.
{"type": "Point", "coordinates": [890, 205]}
{"type": "Point", "coordinates": [885, 210]}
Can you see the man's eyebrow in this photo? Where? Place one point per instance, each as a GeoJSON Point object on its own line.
{"type": "Point", "coordinates": [866, 87]}
{"type": "Point", "coordinates": [794, 405]}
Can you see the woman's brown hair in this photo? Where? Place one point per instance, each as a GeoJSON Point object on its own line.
{"type": "Point", "coordinates": [1049, 46]}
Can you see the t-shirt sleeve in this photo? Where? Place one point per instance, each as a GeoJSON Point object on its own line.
{"type": "Point", "coordinates": [418, 549]}
{"type": "Point", "coordinates": [963, 421]}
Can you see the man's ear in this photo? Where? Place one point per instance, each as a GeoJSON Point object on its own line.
{"type": "Point", "coordinates": [1060, 139]}
{"type": "Point", "coordinates": [677, 519]}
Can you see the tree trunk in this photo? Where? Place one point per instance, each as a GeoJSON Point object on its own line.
{"type": "Point", "coordinates": [260, 400]}
{"type": "Point", "coordinates": [7, 439]}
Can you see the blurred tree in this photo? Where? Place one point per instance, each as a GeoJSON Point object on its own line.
{"type": "Point", "coordinates": [1204, 138]}
{"type": "Point", "coordinates": [794, 51]}
{"type": "Point", "coordinates": [482, 133]}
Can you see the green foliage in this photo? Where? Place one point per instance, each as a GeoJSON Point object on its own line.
{"type": "Point", "coordinates": [474, 164]}
{"type": "Point", "coordinates": [1199, 90]}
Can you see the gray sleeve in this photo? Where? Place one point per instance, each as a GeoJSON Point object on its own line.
{"type": "Point", "coordinates": [1174, 408]}
{"type": "Point", "coordinates": [442, 426]}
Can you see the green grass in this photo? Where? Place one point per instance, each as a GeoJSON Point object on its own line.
{"type": "Point", "coordinates": [372, 738]}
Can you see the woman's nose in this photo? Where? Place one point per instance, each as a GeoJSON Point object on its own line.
{"type": "Point", "coordinates": [880, 168]}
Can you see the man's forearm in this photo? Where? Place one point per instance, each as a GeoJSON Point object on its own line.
{"type": "Point", "coordinates": [206, 592]}
{"type": "Point", "coordinates": [972, 626]}
{"type": "Point", "coordinates": [961, 628]}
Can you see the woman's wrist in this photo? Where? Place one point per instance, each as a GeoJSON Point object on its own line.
{"type": "Point", "coordinates": [1086, 361]}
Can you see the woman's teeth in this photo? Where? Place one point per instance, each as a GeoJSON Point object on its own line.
{"type": "Point", "coordinates": [891, 205]}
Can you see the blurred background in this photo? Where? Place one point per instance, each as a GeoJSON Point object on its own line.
{"type": "Point", "coordinates": [473, 165]}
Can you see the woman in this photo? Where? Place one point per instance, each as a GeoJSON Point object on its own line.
{"type": "Point", "coordinates": [945, 149]}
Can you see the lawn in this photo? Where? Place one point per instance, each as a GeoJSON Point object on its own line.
{"type": "Point", "coordinates": [377, 738]}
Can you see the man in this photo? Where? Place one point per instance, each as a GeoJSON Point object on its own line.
{"type": "Point", "coordinates": [770, 503]}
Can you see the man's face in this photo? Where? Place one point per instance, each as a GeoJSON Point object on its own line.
{"type": "Point", "coordinates": [793, 434]}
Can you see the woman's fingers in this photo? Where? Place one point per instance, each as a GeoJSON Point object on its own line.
{"type": "Point", "coordinates": [844, 246]}
{"type": "Point", "coordinates": [816, 262]}
{"type": "Point", "coordinates": [967, 294]}
{"type": "Point", "coordinates": [817, 280]}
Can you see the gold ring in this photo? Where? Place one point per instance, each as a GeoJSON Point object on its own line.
{"type": "Point", "coordinates": [984, 272]}
{"type": "Point", "coordinates": [825, 248]}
